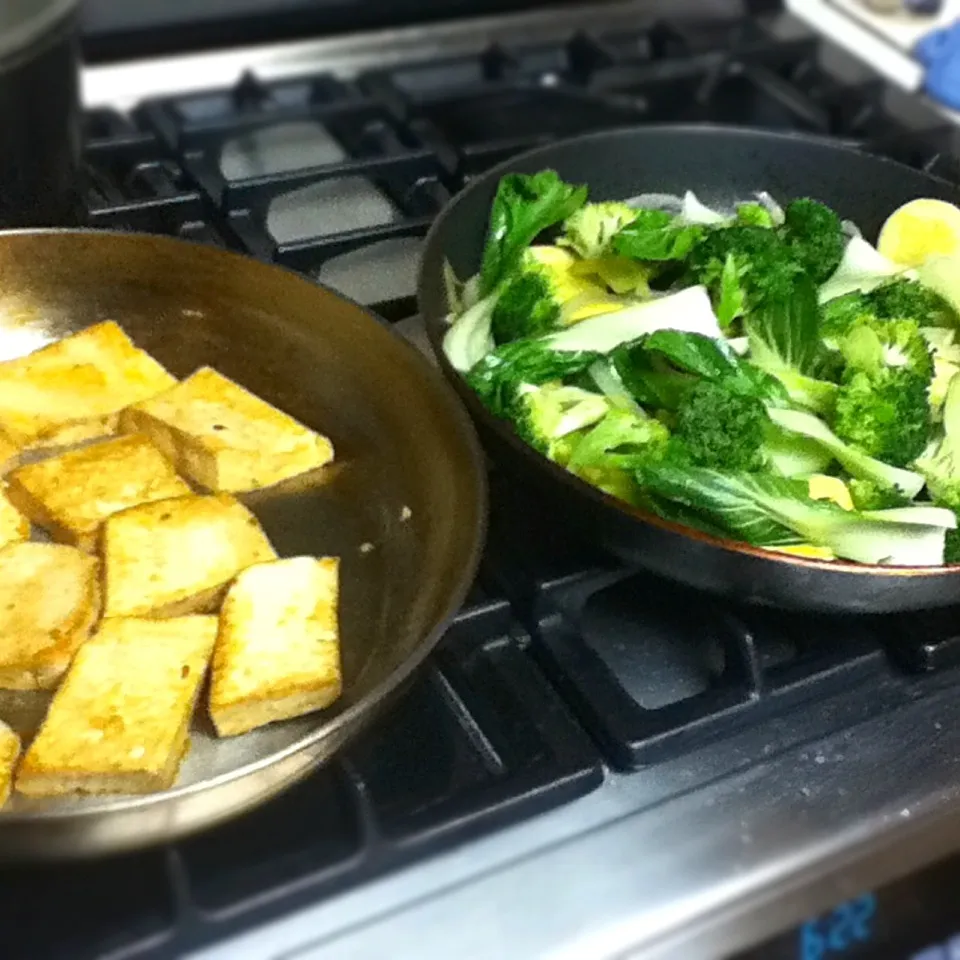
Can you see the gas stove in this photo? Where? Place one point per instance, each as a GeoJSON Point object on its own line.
{"type": "Point", "coordinates": [594, 763]}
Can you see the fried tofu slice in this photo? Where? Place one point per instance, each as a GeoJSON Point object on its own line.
{"type": "Point", "coordinates": [174, 557]}
{"type": "Point", "coordinates": [9, 454]}
{"type": "Point", "coordinates": [278, 649]}
{"type": "Point", "coordinates": [9, 755]}
{"type": "Point", "coordinates": [225, 438]}
{"type": "Point", "coordinates": [14, 526]}
{"type": "Point", "coordinates": [71, 495]}
{"type": "Point", "coordinates": [73, 390]}
{"type": "Point", "coordinates": [49, 604]}
{"type": "Point", "coordinates": [120, 721]}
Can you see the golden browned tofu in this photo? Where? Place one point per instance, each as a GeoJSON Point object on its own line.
{"type": "Point", "coordinates": [278, 649]}
{"type": "Point", "coordinates": [225, 438]}
{"type": "Point", "coordinates": [49, 604]}
{"type": "Point", "coordinates": [14, 526]}
{"type": "Point", "coordinates": [9, 454]}
{"type": "Point", "coordinates": [73, 390]}
{"type": "Point", "coordinates": [173, 557]}
{"type": "Point", "coordinates": [120, 721]}
{"type": "Point", "coordinates": [9, 755]}
{"type": "Point", "coordinates": [71, 495]}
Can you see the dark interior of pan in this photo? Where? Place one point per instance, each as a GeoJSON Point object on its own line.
{"type": "Point", "coordinates": [721, 165]}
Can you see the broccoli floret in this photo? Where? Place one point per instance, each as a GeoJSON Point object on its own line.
{"type": "Point", "coordinates": [872, 346]}
{"type": "Point", "coordinates": [754, 215]}
{"type": "Point", "coordinates": [882, 407]}
{"type": "Point", "coordinates": [897, 300]}
{"type": "Point", "coordinates": [814, 235]}
{"type": "Point", "coordinates": [622, 439]}
{"type": "Point", "coordinates": [608, 455]}
{"type": "Point", "coordinates": [911, 300]}
{"type": "Point", "coordinates": [720, 428]}
{"type": "Point", "coordinates": [886, 416]}
{"type": "Point", "coordinates": [542, 295]}
{"type": "Point", "coordinates": [872, 495]}
{"type": "Point", "coordinates": [528, 306]}
{"type": "Point", "coordinates": [590, 230]}
{"type": "Point", "coordinates": [544, 415]}
{"type": "Point", "coordinates": [737, 264]}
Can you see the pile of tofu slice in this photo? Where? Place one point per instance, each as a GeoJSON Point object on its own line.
{"type": "Point", "coordinates": [152, 574]}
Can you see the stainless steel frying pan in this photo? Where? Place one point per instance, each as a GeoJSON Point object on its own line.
{"type": "Point", "coordinates": [404, 508]}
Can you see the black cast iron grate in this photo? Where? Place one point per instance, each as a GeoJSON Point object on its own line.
{"type": "Point", "coordinates": [561, 663]}
{"type": "Point", "coordinates": [304, 172]}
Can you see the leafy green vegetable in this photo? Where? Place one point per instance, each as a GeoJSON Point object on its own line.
{"type": "Point", "coordinates": [621, 274]}
{"type": "Point", "coordinates": [649, 380]}
{"type": "Point", "coordinates": [814, 235]}
{"type": "Point", "coordinates": [835, 361]}
{"type": "Point", "coordinates": [654, 235]}
{"type": "Point", "coordinates": [470, 339]}
{"type": "Point", "coordinates": [720, 428]}
{"type": "Point", "coordinates": [789, 455]}
{"type": "Point", "coordinates": [523, 208]}
{"type": "Point", "coordinates": [941, 467]}
{"type": "Point", "coordinates": [687, 310]}
{"type": "Point", "coordinates": [862, 269]}
{"type": "Point", "coordinates": [854, 461]}
{"type": "Point", "coordinates": [501, 375]}
{"type": "Point", "coordinates": [946, 365]}
{"type": "Point", "coordinates": [773, 511]}
{"type": "Point", "coordinates": [783, 329]}
{"type": "Point", "coordinates": [591, 229]}
{"type": "Point", "coordinates": [706, 357]}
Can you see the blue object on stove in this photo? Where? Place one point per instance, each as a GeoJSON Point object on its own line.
{"type": "Point", "coordinates": [923, 8]}
{"type": "Point", "coordinates": [939, 52]}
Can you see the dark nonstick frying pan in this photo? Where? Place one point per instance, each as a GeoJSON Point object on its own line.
{"type": "Point", "coordinates": [405, 507]}
{"type": "Point", "coordinates": [721, 165]}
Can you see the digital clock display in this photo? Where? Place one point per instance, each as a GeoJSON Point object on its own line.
{"type": "Point", "coordinates": [838, 933]}
{"type": "Point", "coordinates": [917, 918]}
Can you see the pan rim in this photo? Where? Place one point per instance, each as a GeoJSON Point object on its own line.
{"type": "Point", "coordinates": [633, 514]}
{"type": "Point", "coordinates": [93, 806]}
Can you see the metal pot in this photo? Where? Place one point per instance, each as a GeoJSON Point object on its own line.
{"type": "Point", "coordinates": [39, 112]}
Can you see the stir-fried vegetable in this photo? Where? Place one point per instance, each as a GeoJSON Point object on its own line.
{"type": "Point", "coordinates": [757, 372]}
